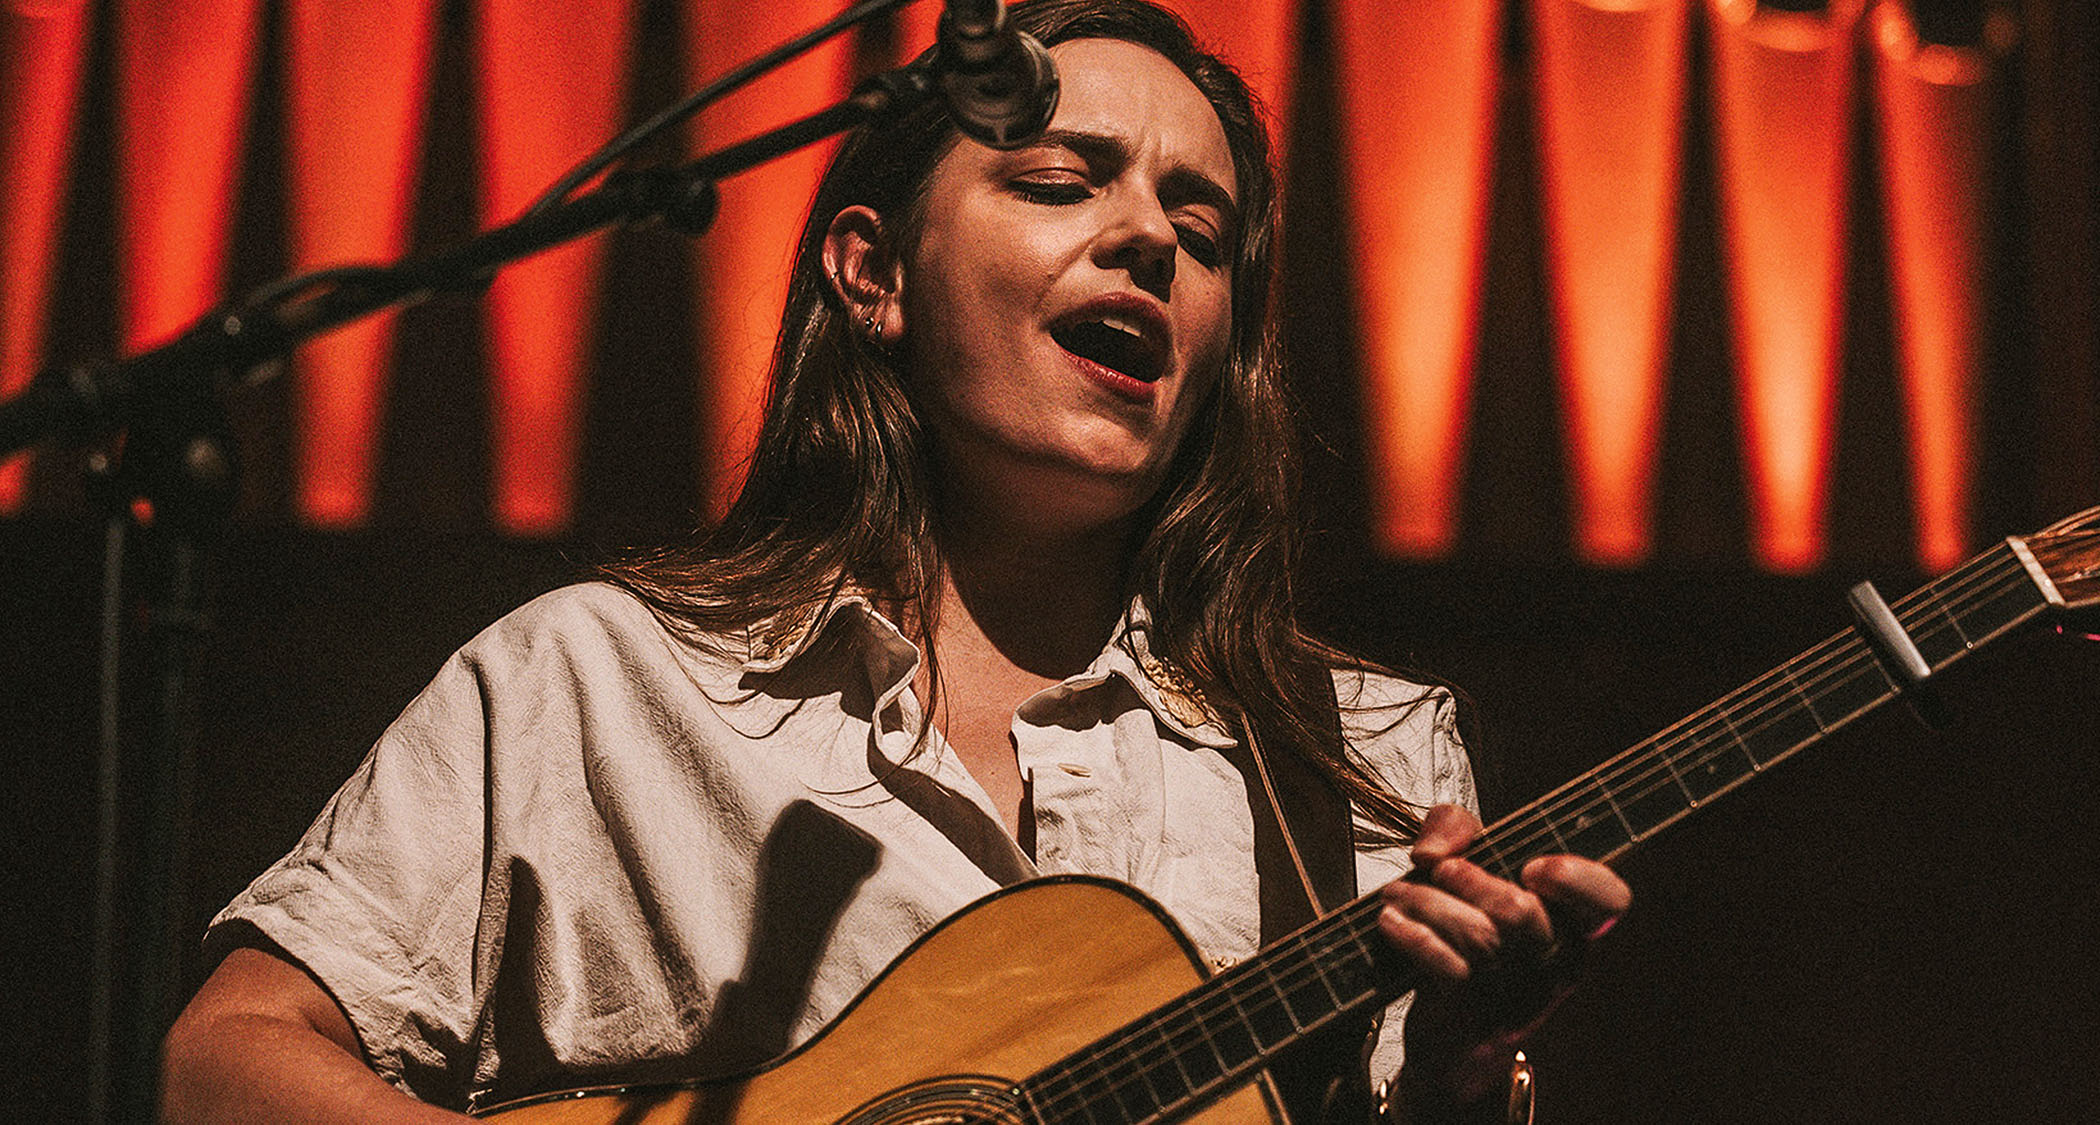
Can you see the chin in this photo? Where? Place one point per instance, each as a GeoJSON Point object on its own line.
{"type": "Point", "coordinates": [1097, 495]}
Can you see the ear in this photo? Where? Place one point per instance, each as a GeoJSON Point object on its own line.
{"type": "Point", "coordinates": [866, 273]}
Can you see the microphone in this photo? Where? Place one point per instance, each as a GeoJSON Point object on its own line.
{"type": "Point", "coordinates": [999, 84]}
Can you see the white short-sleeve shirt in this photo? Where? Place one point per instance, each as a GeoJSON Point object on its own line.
{"type": "Point", "coordinates": [590, 851]}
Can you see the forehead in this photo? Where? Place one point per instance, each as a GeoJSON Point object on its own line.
{"type": "Point", "coordinates": [1123, 90]}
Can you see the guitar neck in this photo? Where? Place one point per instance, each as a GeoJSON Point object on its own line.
{"type": "Point", "coordinates": [1181, 1056]}
{"type": "Point", "coordinates": [1636, 794]}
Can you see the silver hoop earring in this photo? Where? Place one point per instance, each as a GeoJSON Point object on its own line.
{"type": "Point", "coordinates": [868, 325]}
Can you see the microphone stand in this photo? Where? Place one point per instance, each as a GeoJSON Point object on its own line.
{"type": "Point", "coordinates": [166, 473]}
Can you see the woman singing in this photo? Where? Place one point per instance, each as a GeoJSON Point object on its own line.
{"type": "Point", "coordinates": [1008, 592]}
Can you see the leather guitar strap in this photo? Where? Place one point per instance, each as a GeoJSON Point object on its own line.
{"type": "Point", "coordinates": [1305, 863]}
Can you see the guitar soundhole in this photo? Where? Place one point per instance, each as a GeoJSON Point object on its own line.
{"type": "Point", "coordinates": [955, 1100]}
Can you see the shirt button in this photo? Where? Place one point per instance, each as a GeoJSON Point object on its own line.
{"type": "Point", "coordinates": [1075, 769]}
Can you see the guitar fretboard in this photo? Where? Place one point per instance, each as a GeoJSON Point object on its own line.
{"type": "Point", "coordinates": [1184, 1055]}
{"type": "Point", "coordinates": [1641, 791]}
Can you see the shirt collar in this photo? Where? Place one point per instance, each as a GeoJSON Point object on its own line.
{"type": "Point", "coordinates": [892, 660]}
{"type": "Point", "coordinates": [1163, 689]}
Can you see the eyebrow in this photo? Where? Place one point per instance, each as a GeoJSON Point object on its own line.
{"type": "Point", "coordinates": [1181, 183]}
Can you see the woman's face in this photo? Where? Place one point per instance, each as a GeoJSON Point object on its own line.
{"type": "Point", "coordinates": [1067, 307]}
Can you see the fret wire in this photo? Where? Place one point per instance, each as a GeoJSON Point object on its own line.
{"type": "Point", "coordinates": [1175, 1053]}
{"type": "Point", "coordinates": [1807, 702]}
{"type": "Point", "coordinates": [1638, 763]}
{"type": "Point", "coordinates": [1562, 796]}
{"type": "Point", "coordinates": [1146, 1072]}
{"type": "Point", "coordinates": [1847, 662]}
{"type": "Point", "coordinates": [1841, 658]}
{"type": "Point", "coordinates": [1690, 801]}
{"type": "Point", "coordinates": [1844, 657]}
{"type": "Point", "coordinates": [1275, 998]}
{"type": "Point", "coordinates": [1735, 733]}
{"type": "Point", "coordinates": [1145, 1067]}
{"type": "Point", "coordinates": [1115, 1087]}
{"type": "Point", "coordinates": [1631, 835]}
{"type": "Point", "coordinates": [1888, 677]}
{"type": "Point", "coordinates": [1487, 852]}
{"type": "Point", "coordinates": [1334, 995]}
{"type": "Point", "coordinates": [1103, 1062]}
{"type": "Point", "coordinates": [1966, 644]}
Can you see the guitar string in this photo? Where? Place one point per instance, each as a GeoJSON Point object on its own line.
{"type": "Point", "coordinates": [1835, 663]}
{"type": "Point", "coordinates": [1836, 657]}
{"type": "Point", "coordinates": [1838, 646]}
{"type": "Point", "coordinates": [1845, 648]}
{"type": "Point", "coordinates": [1111, 1063]}
{"type": "Point", "coordinates": [1286, 977]}
{"type": "Point", "coordinates": [1093, 1075]}
{"type": "Point", "coordinates": [1123, 1041]}
{"type": "Point", "coordinates": [1137, 1064]}
{"type": "Point", "coordinates": [1612, 785]}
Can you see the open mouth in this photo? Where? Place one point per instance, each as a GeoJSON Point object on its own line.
{"type": "Point", "coordinates": [1116, 342]}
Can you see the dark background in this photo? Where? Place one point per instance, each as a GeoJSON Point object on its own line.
{"type": "Point", "coordinates": [1894, 928]}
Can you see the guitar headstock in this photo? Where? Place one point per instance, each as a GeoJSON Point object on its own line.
{"type": "Point", "coordinates": [2068, 551]}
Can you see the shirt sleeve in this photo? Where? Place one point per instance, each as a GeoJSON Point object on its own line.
{"type": "Point", "coordinates": [382, 897]}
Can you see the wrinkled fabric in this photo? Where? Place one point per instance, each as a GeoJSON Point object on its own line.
{"type": "Point", "coordinates": [590, 851]}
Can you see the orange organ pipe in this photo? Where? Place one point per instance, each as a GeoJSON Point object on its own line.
{"type": "Point", "coordinates": [1418, 93]}
{"type": "Point", "coordinates": [745, 257]}
{"type": "Point", "coordinates": [184, 76]}
{"type": "Point", "coordinates": [1782, 87]}
{"type": "Point", "coordinates": [1260, 39]}
{"type": "Point", "coordinates": [356, 76]}
{"type": "Point", "coordinates": [42, 48]}
{"type": "Point", "coordinates": [1609, 90]}
{"type": "Point", "coordinates": [551, 90]}
{"type": "Point", "coordinates": [1933, 108]}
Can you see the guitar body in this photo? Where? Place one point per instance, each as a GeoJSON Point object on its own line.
{"type": "Point", "coordinates": [1008, 986]}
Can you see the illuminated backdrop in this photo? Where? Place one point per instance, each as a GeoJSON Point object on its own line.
{"type": "Point", "coordinates": [1862, 206]}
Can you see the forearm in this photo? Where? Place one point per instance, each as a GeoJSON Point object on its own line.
{"type": "Point", "coordinates": [263, 1041]}
{"type": "Point", "coordinates": [247, 1067]}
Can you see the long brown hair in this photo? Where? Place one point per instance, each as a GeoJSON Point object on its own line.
{"type": "Point", "coordinates": [839, 489]}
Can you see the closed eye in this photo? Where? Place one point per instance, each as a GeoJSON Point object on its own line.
{"type": "Point", "coordinates": [1053, 193]}
{"type": "Point", "coordinates": [1200, 246]}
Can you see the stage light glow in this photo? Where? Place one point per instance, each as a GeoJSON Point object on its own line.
{"type": "Point", "coordinates": [43, 47]}
{"type": "Point", "coordinates": [551, 92]}
{"type": "Point", "coordinates": [1609, 98]}
{"type": "Point", "coordinates": [1260, 39]}
{"type": "Point", "coordinates": [1933, 108]}
{"type": "Point", "coordinates": [1419, 84]}
{"type": "Point", "coordinates": [184, 75]}
{"type": "Point", "coordinates": [1782, 85]}
{"type": "Point", "coordinates": [356, 76]}
{"type": "Point", "coordinates": [745, 258]}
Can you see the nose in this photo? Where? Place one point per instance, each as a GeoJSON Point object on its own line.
{"type": "Point", "coordinates": [1142, 241]}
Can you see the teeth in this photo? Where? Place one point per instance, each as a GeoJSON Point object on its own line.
{"type": "Point", "coordinates": [1114, 342]}
{"type": "Point", "coordinates": [1124, 324]}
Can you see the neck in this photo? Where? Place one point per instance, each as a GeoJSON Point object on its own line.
{"type": "Point", "coordinates": [1046, 599]}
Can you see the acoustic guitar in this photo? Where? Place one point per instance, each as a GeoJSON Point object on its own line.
{"type": "Point", "coordinates": [1074, 1000]}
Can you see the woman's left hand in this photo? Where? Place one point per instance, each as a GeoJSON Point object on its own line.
{"type": "Point", "coordinates": [1494, 954]}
